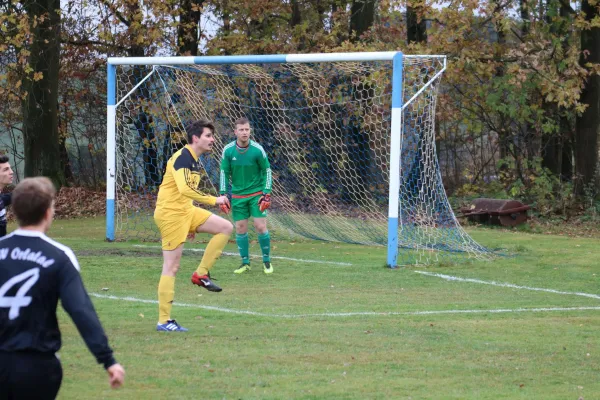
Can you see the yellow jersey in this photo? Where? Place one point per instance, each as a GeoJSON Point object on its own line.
{"type": "Point", "coordinates": [179, 187]}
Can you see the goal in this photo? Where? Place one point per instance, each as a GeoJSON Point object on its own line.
{"type": "Point", "coordinates": [350, 138]}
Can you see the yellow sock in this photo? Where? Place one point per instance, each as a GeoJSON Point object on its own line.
{"type": "Point", "coordinates": [212, 253]}
{"type": "Point", "coordinates": [166, 294]}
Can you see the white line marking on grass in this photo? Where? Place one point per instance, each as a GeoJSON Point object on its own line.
{"type": "Point", "coordinates": [507, 285]}
{"type": "Point", "coordinates": [259, 256]}
{"type": "Point", "coordinates": [350, 314]}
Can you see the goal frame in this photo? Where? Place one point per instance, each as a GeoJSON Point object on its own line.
{"type": "Point", "coordinates": [396, 133]}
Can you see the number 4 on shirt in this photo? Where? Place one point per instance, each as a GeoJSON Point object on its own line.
{"type": "Point", "coordinates": [14, 304]}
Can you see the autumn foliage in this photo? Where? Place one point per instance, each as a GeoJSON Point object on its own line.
{"type": "Point", "coordinates": [518, 114]}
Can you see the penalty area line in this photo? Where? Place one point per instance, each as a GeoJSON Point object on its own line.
{"type": "Point", "coordinates": [506, 285]}
{"type": "Point", "coordinates": [258, 256]}
{"type": "Point", "coordinates": [350, 314]}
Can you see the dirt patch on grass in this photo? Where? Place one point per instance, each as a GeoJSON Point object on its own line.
{"type": "Point", "coordinates": [119, 253]}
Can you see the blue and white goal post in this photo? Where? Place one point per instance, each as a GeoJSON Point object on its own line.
{"type": "Point", "coordinates": [350, 138]}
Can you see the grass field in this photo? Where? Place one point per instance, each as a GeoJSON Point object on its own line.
{"type": "Point", "coordinates": [333, 323]}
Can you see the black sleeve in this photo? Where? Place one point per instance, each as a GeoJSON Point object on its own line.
{"type": "Point", "coordinates": [78, 305]}
{"type": "Point", "coordinates": [6, 198]}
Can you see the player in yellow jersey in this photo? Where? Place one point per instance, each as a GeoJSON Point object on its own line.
{"type": "Point", "coordinates": [177, 217]}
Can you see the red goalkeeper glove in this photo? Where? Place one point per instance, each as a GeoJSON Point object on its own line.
{"type": "Point", "coordinates": [264, 202]}
{"type": "Point", "coordinates": [225, 206]}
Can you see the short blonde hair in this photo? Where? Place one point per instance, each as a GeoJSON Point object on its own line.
{"type": "Point", "coordinates": [241, 121]}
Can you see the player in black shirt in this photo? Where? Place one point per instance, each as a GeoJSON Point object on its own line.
{"type": "Point", "coordinates": [6, 178]}
{"type": "Point", "coordinates": [35, 272]}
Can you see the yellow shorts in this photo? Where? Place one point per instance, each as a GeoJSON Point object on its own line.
{"type": "Point", "coordinates": [174, 231]}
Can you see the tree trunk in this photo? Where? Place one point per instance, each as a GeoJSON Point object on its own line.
{"type": "Point", "coordinates": [525, 18]}
{"type": "Point", "coordinates": [226, 18]}
{"type": "Point", "coordinates": [557, 153]}
{"type": "Point", "coordinates": [551, 154]}
{"type": "Point", "coordinates": [588, 123]}
{"type": "Point", "coordinates": [504, 134]}
{"type": "Point", "coordinates": [187, 30]}
{"type": "Point", "coordinates": [361, 18]}
{"type": "Point", "coordinates": [62, 145]}
{"type": "Point", "coordinates": [530, 136]}
{"type": "Point", "coordinates": [296, 15]}
{"type": "Point", "coordinates": [134, 12]}
{"type": "Point", "coordinates": [416, 27]}
{"type": "Point", "coordinates": [226, 30]}
{"type": "Point", "coordinates": [296, 20]}
{"type": "Point", "coordinates": [65, 162]}
{"type": "Point", "coordinates": [40, 104]}
{"type": "Point", "coordinates": [566, 149]}
{"type": "Point", "coordinates": [322, 7]}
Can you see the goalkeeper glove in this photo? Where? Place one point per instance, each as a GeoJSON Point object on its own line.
{"type": "Point", "coordinates": [225, 207]}
{"type": "Point", "coordinates": [264, 202]}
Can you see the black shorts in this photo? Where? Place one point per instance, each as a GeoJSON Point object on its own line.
{"type": "Point", "coordinates": [29, 375]}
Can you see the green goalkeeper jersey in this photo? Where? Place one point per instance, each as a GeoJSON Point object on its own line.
{"type": "Point", "coordinates": [248, 169]}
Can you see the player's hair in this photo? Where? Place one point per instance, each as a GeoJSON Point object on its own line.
{"type": "Point", "coordinates": [197, 127]}
{"type": "Point", "coordinates": [241, 121]}
{"type": "Point", "coordinates": [3, 158]}
{"type": "Point", "coordinates": [31, 199]}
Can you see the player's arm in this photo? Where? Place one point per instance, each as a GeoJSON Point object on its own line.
{"type": "Point", "coordinates": [224, 176]}
{"type": "Point", "coordinates": [225, 173]}
{"type": "Point", "coordinates": [186, 182]}
{"type": "Point", "coordinates": [78, 305]}
{"type": "Point", "coordinates": [265, 167]}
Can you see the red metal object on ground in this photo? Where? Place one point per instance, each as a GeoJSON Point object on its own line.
{"type": "Point", "coordinates": [496, 212]}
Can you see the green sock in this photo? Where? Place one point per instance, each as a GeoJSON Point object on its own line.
{"type": "Point", "coordinates": [242, 243]}
{"type": "Point", "coordinates": [264, 240]}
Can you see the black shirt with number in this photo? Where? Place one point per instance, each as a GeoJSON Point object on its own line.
{"type": "Point", "coordinates": [5, 200]}
{"type": "Point", "coordinates": [35, 272]}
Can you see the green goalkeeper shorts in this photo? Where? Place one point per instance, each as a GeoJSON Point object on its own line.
{"type": "Point", "coordinates": [246, 207]}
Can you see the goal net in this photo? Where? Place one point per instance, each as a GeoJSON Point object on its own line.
{"type": "Point", "coordinates": [327, 128]}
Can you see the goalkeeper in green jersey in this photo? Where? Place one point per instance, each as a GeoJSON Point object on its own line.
{"type": "Point", "coordinates": [246, 165]}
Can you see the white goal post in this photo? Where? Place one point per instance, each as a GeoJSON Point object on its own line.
{"type": "Point", "coordinates": [351, 138]}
